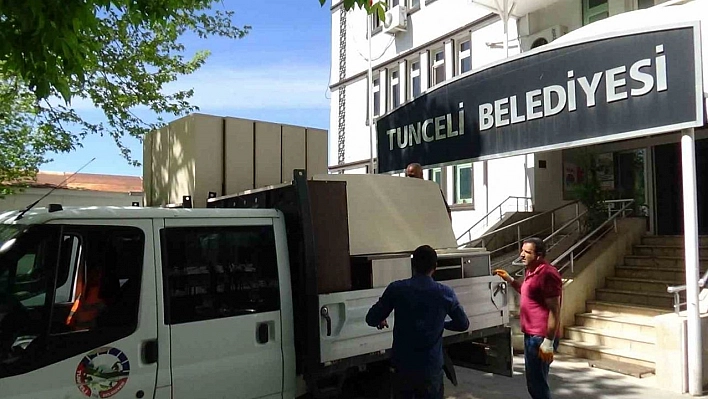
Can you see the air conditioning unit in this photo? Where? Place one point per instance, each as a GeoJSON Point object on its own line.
{"type": "Point", "coordinates": [396, 20]}
{"type": "Point", "coordinates": [543, 37]}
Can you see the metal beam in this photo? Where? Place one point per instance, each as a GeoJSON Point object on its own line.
{"type": "Point", "coordinates": [690, 223]}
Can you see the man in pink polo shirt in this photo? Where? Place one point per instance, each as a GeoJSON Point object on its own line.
{"type": "Point", "coordinates": [540, 314]}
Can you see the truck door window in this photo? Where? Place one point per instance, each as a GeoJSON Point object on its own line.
{"type": "Point", "coordinates": [91, 275]}
{"type": "Point", "coordinates": [216, 272]}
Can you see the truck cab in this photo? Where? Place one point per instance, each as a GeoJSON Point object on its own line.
{"type": "Point", "coordinates": [173, 304]}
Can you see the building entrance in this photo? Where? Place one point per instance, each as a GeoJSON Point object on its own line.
{"type": "Point", "coordinates": [668, 208]}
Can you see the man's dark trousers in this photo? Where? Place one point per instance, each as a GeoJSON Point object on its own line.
{"type": "Point", "coordinates": [408, 385]}
{"type": "Point", "coordinates": [536, 369]}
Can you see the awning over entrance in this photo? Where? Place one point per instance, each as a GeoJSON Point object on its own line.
{"type": "Point", "coordinates": [631, 75]}
{"type": "Point", "coordinates": [650, 17]}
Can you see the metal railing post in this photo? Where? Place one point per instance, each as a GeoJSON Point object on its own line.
{"type": "Point", "coordinates": [572, 263]}
{"type": "Point", "coordinates": [518, 235]}
{"type": "Point", "coordinates": [577, 213]}
{"type": "Point", "coordinates": [553, 222]}
{"type": "Point", "coordinates": [615, 224]}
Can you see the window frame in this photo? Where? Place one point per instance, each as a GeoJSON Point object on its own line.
{"type": "Point", "coordinates": [394, 88]}
{"type": "Point", "coordinates": [457, 200]}
{"type": "Point", "coordinates": [376, 95]}
{"type": "Point", "coordinates": [435, 64]}
{"type": "Point", "coordinates": [463, 54]}
{"type": "Point", "coordinates": [589, 13]}
{"type": "Point", "coordinates": [167, 267]}
{"type": "Point", "coordinates": [412, 8]}
{"type": "Point", "coordinates": [412, 75]}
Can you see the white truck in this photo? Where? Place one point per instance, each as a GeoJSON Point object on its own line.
{"type": "Point", "coordinates": [263, 297]}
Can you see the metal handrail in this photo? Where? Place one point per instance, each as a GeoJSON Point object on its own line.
{"type": "Point", "coordinates": [515, 262]}
{"type": "Point", "coordinates": [571, 251]}
{"type": "Point", "coordinates": [678, 289]}
{"type": "Point", "coordinates": [520, 222]}
{"type": "Point", "coordinates": [499, 207]}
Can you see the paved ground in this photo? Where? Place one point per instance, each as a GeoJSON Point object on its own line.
{"type": "Point", "coordinates": [570, 378]}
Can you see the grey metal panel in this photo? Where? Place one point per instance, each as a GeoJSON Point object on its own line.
{"type": "Point", "coordinates": [294, 150]}
{"type": "Point", "coordinates": [209, 163]}
{"type": "Point", "coordinates": [159, 194]}
{"type": "Point", "coordinates": [239, 155]}
{"type": "Point", "coordinates": [181, 165]}
{"type": "Point", "coordinates": [147, 168]}
{"type": "Point", "coordinates": [389, 214]}
{"type": "Point", "coordinates": [316, 151]}
{"type": "Point", "coordinates": [268, 152]}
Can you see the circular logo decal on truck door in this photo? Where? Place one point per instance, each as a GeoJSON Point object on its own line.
{"type": "Point", "coordinates": [102, 372]}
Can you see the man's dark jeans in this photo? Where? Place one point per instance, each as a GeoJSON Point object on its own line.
{"type": "Point", "coordinates": [536, 369]}
{"type": "Point", "coordinates": [417, 386]}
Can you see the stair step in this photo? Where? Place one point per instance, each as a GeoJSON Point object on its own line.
{"type": "Point", "coordinates": [633, 370]}
{"type": "Point", "coordinates": [660, 261]}
{"type": "Point", "coordinates": [651, 273]}
{"type": "Point", "coordinates": [611, 339]}
{"type": "Point", "coordinates": [599, 352]}
{"type": "Point", "coordinates": [623, 309]}
{"type": "Point", "coordinates": [672, 240]}
{"type": "Point", "coordinates": [655, 299]}
{"type": "Point", "coordinates": [627, 325]}
{"type": "Point", "coordinates": [638, 284]}
{"type": "Point", "coordinates": [666, 250]}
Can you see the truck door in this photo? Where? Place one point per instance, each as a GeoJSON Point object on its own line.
{"type": "Point", "coordinates": [222, 305]}
{"type": "Point", "coordinates": [77, 312]}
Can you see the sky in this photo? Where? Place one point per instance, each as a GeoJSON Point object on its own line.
{"type": "Point", "coordinates": [279, 72]}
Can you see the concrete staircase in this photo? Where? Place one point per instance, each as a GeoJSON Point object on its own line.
{"type": "Point", "coordinates": [617, 330]}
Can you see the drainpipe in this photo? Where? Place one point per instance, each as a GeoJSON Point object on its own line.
{"type": "Point", "coordinates": [690, 223]}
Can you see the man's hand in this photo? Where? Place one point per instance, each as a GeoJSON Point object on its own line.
{"type": "Point", "coordinates": [382, 325]}
{"type": "Point", "coordinates": [545, 351]}
{"type": "Point", "coordinates": [503, 274]}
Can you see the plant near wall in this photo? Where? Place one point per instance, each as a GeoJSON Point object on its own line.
{"type": "Point", "coordinates": [588, 191]}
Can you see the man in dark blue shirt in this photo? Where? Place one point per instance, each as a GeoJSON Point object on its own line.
{"type": "Point", "coordinates": [421, 305]}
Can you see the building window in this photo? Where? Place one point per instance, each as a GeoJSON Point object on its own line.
{"type": "Point", "coordinates": [463, 184]}
{"type": "Point", "coordinates": [219, 272]}
{"type": "Point", "coordinates": [642, 4]}
{"type": "Point", "coordinates": [395, 90]}
{"type": "Point", "coordinates": [439, 67]}
{"type": "Point", "coordinates": [595, 10]}
{"type": "Point", "coordinates": [415, 80]}
{"type": "Point", "coordinates": [465, 57]}
{"type": "Point", "coordinates": [413, 5]}
{"type": "Point", "coordinates": [375, 23]}
{"type": "Point", "coordinates": [435, 175]}
{"type": "Point", "coordinates": [377, 97]}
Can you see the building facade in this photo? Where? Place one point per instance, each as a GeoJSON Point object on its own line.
{"type": "Point", "coordinates": [426, 44]}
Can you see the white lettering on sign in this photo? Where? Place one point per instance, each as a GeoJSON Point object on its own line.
{"type": "Point", "coordinates": [554, 99]}
{"type": "Point", "coordinates": [433, 129]}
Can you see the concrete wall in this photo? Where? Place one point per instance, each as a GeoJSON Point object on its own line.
{"type": "Point", "coordinates": [671, 374]}
{"type": "Point", "coordinates": [595, 265]}
{"type": "Point", "coordinates": [200, 153]}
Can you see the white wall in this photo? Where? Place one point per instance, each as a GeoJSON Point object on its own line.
{"type": "Point", "coordinates": [430, 22]}
{"type": "Point", "coordinates": [505, 177]}
{"type": "Point", "coordinates": [21, 200]}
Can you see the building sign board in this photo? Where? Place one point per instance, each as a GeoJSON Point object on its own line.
{"type": "Point", "coordinates": [607, 89]}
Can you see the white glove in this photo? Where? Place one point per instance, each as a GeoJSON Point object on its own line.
{"type": "Point", "coordinates": [545, 351]}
